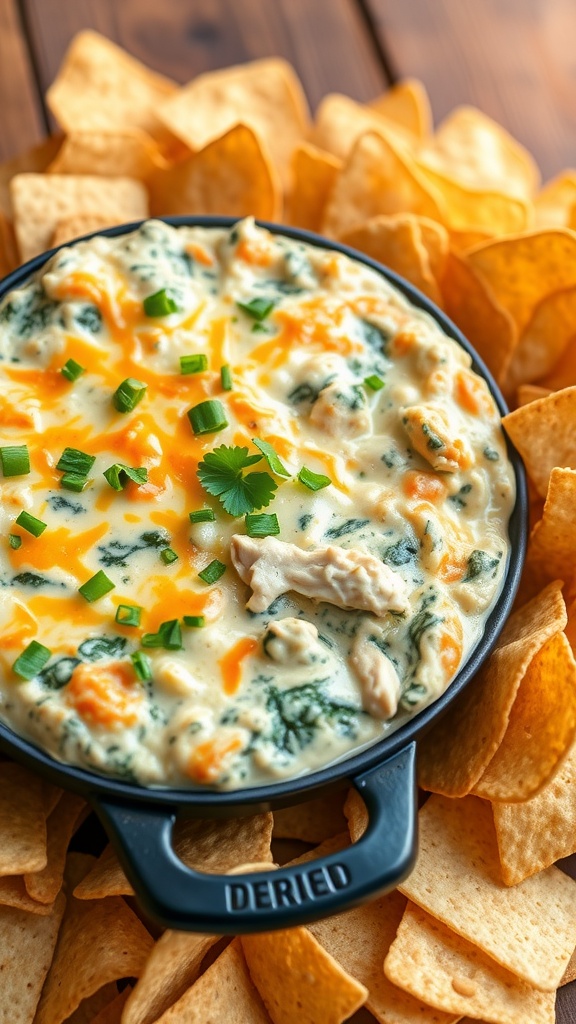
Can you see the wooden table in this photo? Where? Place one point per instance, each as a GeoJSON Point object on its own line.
{"type": "Point", "coordinates": [515, 59]}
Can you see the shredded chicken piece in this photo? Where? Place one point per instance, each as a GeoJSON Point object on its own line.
{"type": "Point", "coordinates": [291, 640]}
{"type": "Point", "coordinates": [345, 578]}
{"type": "Point", "coordinates": [341, 411]}
{"type": "Point", "coordinates": [429, 433]}
{"type": "Point", "coordinates": [376, 674]}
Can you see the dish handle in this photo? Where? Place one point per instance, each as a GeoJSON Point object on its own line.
{"type": "Point", "coordinates": [178, 897]}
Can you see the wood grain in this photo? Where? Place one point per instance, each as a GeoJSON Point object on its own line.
{"type": "Point", "coordinates": [327, 41]}
{"type": "Point", "coordinates": [516, 60]}
{"type": "Point", "coordinates": [21, 121]}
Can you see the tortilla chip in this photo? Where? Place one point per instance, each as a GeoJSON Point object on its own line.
{"type": "Point", "coordinates": [356, 814]}
{"type": "Point", "coordinates": [100, 87]}
{"type": "Point", "coordinates": [128, 153]}
{"type": "Point", "coordinates": [477, 209]}
{"type": "Point", "coordinates": [265, 95]}
{"type": "Point", "coordinates": [529, 929]}
{"type": "Point", "coordinates": [407, 104]}
{"type": "Point", "coordinates": [433, 963]}
{"type": "Point", "coordinates": [33, 161]}
{"type": "Point", "coordinates": [8, 253]}
{"type": "Point", "coordinates": [22, 821]}
{"type": "Point", "coordinates": [41, 200]}
{"type": "Point", "coordinates": [553, 205]}
{"type": "Point", "coordinates": [13, 894]}
{"type": "Point", "coordinates": [212, 846]}
{"type": "Point", "coordinates": [570, 972]}
{"type": "Point", "coordinates": [524, 269]}
{"type": "Point", "coordinates": [400, 243]}
{"type": "Point", "coordinates": [340, 122]}
{"type": "Point", "coordinates": [92, 1006]}
{"type": "Point", "coordinates": [563, 375]}
{"type": "Point", "coordinates": [171, 968]}
{"type": "Point", "coordinates": [27, 945]}
{"type": "Point", "coordinates": [77, 226]}
{"type": "Point", "coordinates": [298, 980]}
{"type": "Point", "coordinates": [378, 178]}
{"type": "Point", "coordinates": [112, 1013]}
{"type": "Point", "coordinates": [544, 432]}
{"type": "Point", "coordinates": [530, 393]}
{"type": "Point", "coordinates": [313, 174]}
{"type": "Point", "coordinates": [45, 885]}
{"type": "Point", "coordinates": [232, 176]}
{"type": "Point", "coordinates": [533, 834]}
{"type": "Point", "coordinates": [311, 821]}
{"type": "Point", "coordinates": [552, 547]}
{"type": "Point", "coordinates": [551, 330]}
{"type": "Point", "coordinates": [462, 241]}
{"type": "Point", "coordinates": [454, 754]}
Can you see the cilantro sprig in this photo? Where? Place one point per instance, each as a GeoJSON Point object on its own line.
{"type": "Point", "coordinates": [221, 474]}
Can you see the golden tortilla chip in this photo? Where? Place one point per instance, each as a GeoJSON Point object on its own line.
{"type": "Point", "coordinates": [314, 172]}
{"type": "Point", "coordinates": [27, 944]}
{"type": "Point", "coordinates": [524, 269]}
{"type": "Point", "coordinates": [552, 547]}
{"type": "Point", "coordinates": [265, 95]}
{"type": "Point", "coordinates": [462, 241]}
{"type": "Point", "coordinates": [100, 87]}
{"type": "Point", "coordinates": [378, 178]}
{"type": "Point", "coordinates": [530, 929]}
{"type": "Point", "coordinates": [570, 972]}
{"type": "Point", "coordinates": [92, 1006]}
{"type": "Point", "coordinates": [400, 243]}
{"type": "Point", "coordinates": [407, 104]}
{"type": "Point", "coordinates": [475, 209]}
{"type": "Point", "coordinates": [454, 754]}
{"type": "Point", "coordinates": [473, 308]}
{"type": "Point", "coordinates": [298, 980]}
{"type": "Point", "coordinates": [41, 200]}
{"type": "Point", "coordinates": [212, 846]}
{"type": "Point", "coordinates": [530, 393]}
{"type": "Point", "coordinates": [22, 821]}
{"type": "Point", "coordinates": [563, 375]}
{"type": "Point", "coordinates": [128, 153]}
{"type": "Point", "coordinates": [77, 226]}
{"type": "Point", "coordinates": [544, 432]}
{"type": "Point", "coordinates": [33, 161]}
{"type": "Point", "coordinates": [13, 894]}
{"type": "Point", "coordinates": [533, 834]}
{"type": "Point", "coordinates": [551, 330]}
{"type": "Point", "coordinates": [99, 942]}
{"type": "Point", "coordinates": [340, 121]}
{"type": "Point", "coordinates": [433, 963]}
{"type": "Point", "coordinates": [232, 176]}
{"type": "Point", "coordinates": [554, 203]}
{"type": "Point", "coordinates": [45, 885]}
{"type": "Point", "coordinates": [8, 253]}
{"type": "Point", "coordinates": [311, 821]}
{"type": "Point", "coordinates": [112, 1013]}
{"type": "Point", "coordinates": [171, 968]}
{"type": "Point", "coordinates": [356, 814]}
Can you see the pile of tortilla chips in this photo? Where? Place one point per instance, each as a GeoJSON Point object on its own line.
{"type": "Point", "coordinates": [485, 926]}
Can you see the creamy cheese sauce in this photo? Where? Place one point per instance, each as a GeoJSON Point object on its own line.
{"type": "Point", "coordinates": [313, 641]}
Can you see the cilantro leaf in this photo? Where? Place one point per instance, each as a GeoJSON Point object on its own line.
{"type": "Point", "coordinates": [220, 474]}
{"type": "Point", "coordinates": [271, 457]}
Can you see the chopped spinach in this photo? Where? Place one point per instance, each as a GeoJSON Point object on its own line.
{"type": "Point", "coordinates": [413, 696]}
{"type": "Point", "coordinates": [491, 454]}
{"type": "Point", "coordinates": [349, 526]}
{"type": "Point", "coordinates": [29, 311]}
{"type": "Point", "coordinates": [117, 553]}
{"type": "Point", "coordinates": [305, 520]}
{"type": "Point", "coordinates": [59, 503]}
{"type": "Point", "coordinates": [102, 647]}
{"type": "Point", "coordinates": [33, 579]}
{"type": "Point", "coordinates": [375, 337]}
{"type": "Point", "coordinates": [89, 317]}
{"type": "Point", "coordinates": [434, 442]}
{"type": "Point", "coordinates": [481, 563]}
{"type": "Point", "coordinates": [458, 499]}
{"type": "Point", "coordinates": [55, 676]}
{"type": "Point", "coordinates": [402, 552]}
{"type": "Point", "coordinates": [297, 713]}
{"type": "Point", "coordinates": [420, 623]}
{"type": "Point", "coordinates": [392, 458]}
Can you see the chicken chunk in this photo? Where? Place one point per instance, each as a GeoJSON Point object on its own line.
{"type": "Point", "coordinates": [292, 641]}
{"type": "Point", "coordinates": [431, 435]}
{"type": "Point", "coordinates": [341, 411]}
{"type": "Point", "coordinates": [379, 683]}
{"type": "Point", "coordinates": [345, 578]}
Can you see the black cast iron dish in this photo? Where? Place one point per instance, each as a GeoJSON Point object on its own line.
{"type": "Point", "coordinates": [140, 821]}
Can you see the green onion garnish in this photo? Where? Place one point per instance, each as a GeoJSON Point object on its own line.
{"type": "Point", "coordinates": [32, 660]}
{"type": "Point", "coordinates": [15, 460]}
{"type": "Point", "coordinates": [97, 586]}
{"type": "Point", "coordinates": [128, 394]}
{"type": "Point", "coordinates": [160, 304]}
{"type": "Point", "coordinates": [207, 417]}
{"type": "Point", "coordinates": [313, 481]}
{"type": "Point", "coordinates": [271, 457]}
{"type": "Point", "coordinates": [262, 525]}
{"type": "Point", "coordinates": [142, 665]}
{"type": "Point", "coordinates": [194, 621]}
{"type": "Point", "coordinates": [72, 370]}
{"type": "Point", "coordinates": [194, 364]}
{"type": "Point", "coordinates": [31, 524]}
{"type": "Point", "coordinates": [168, 636]}
{"type": "Point", "coordinates": [74, 461]}
{"type": "Point", "coordinates": [374, 382]}
{"type": "Point", "coordinates": [14, 541]}
{"type": "Point", "coordinates": [226, 378]}
{"type": "Point", "coordinates": [212, 572]}
{"type": "Point", "coordinates": [258, 309]}
{"type": "Point", "coordinates": [168, 556]}
{"type": "Point", "coordinates": [128, 615]}
{"type": "Point", "coordinates": [203, 515]}
{"type": "Point", "coordinates": [118, 475]}
{"type": "Point", "coordinates": [74, 482]}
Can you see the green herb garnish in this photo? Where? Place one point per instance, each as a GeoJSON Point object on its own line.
{"type": "Point", "coordinates": [207, 417]}
{"type": "Point", "coordinates": [194, 621]}
{"type": "Point", "coordinates": [212, 572]}
{"type": "Point", "coordinates": [72, 370]}
{"type": "Point", "coordinates": [128, 394]}
{"type": "Point", "coordinates": [160, 304]}
{"type": "Point", "coordinates": [96, 587]}
{"type": "Point", "coordinates": [194, 364]}
{"type": "Point", "coordinates": [169, 636]}
{"type": "Point", "coordinates": [226, 378]}
{"type": "Point", "coordinates": [32, 660]}
{"type": "Point", "coordinates": [73, 460]}
{"type": "Point", "coordinates": [74, 482]}
{"type": "Point", "coordinates": [31, 524]}
{"type": "Point", "coordinates": [142, 666]}
{"type": "Point", "coordinates": [271, 457]}
{"type": "Point", "coordinates": [128, 615]}
{"type": "Point", "coordinates": [262, 525]}
{"type": "Point", "coordinates": [313, 481]}
{"type": "Point", "coordinates": [15, 460]}
{"type": "Point", "coordinates": [14, 541]}
{"type": "Point", "coordinates": [168, 556]}
{"type": "Point", "coordinates": [374, 382]}
{"type": "Point", "coordinates": [258, 308]}
{"type": "Point", "coordinates": [118, 475]}
{"type": "Point", "coordinates": [202, 515]}
{"type": "Point", "coordinates": [220, 474]}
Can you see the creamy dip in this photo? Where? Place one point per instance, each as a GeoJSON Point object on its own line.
{"type": "Point", "coordinates": [348, 483]}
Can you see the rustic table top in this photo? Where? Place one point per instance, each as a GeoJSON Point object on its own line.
{"type": "Point", "coordinates": [515, 59]}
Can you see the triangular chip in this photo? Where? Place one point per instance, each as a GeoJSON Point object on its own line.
{"type": "Point", "coordinates": [474, 209]}
{"type": "Point", "coordinates": [129, 153]}
{"type": "Point", "coordinates": [32, 161]}
{"type": "Point", "coordinates": [45, 885]}
{"type": "Point", "coordinates": [69, 228]}
{"type": "Point", "coordinates": [112, 1013]}
{"type": "Point", "coordinates": [407, 104]}
{"type": "Point", "coordinates": [311, 821]}
{"type": "Point", "coordinates": [544, 433]}
{"type": "Point", "coordinates": [340, 121]}
{"type": "Point", "coordinates": [314, 172]}
{"type": "Point", "coordinates": [92, 1006]}
{"type": "Point", "coordinates": [552, 547]}
{"type": "Point", "coordinates": [13, 894]}
{"type": "Point", "coordinates": [8, 254]}
{"type": "Point", "coordinates": [549, 333]}
{"type": "Point", "coordinates": [553, 204]}
{"type": "Point", "coordinates": [27, 945]}
{"type": "Point", "coordinates": [171, 968]}
{"type": "Point", "coordinates": [530, 393]}
{"type": "Point", "coordinates": [22, 821]}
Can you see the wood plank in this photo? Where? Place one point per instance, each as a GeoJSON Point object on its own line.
{"type": "Point", "coordinates": [182, 40]}
{"type": "Point", "coordinates": [21, 121]}
{"type": "Point", "coordinates": [514, 60]}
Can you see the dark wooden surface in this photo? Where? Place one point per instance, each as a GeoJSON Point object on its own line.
{"type": "Point", "coordinates": [515, 59]}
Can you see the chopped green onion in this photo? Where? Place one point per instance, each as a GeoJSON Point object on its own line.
{"type": "Point", "coordinates": [271, 457]}
{"type": "Point", "coordinates": [194, 621]}
{"type": "Point", "coordinates": [74, 482]}
{"type": "Point", "coordinates": [74, 461]}
{"type": "Point", "coordinates": [32, 660]}
{"type": "Point", "coordinates": [207, 417]}
{"type": "Point", "coordinates": [160, 304]}
{"type": "Point", "coordinates": [168, 636]}
{"type": "Point", "coordinates": [128, 615]}
{"type": "Point", "coordinates": [168, 556]}
{"type": "Point", "coordinates": [128, 394]}
{"type": "Point", "coordinates": [142, 665]}
{"type": "Point", "coordinates": [15, 460]}
{"type": "Point", "coordinates": [118, 475]}
{"type": "Point", "coordinates": [374, 382]}
{"type": "Point", "coordinates": [258, 308]}
{"type": "Point", "coordinates": [313, 481]}
{"type": "Point", "coordinates": [259, 329]}
{"type": "Point", "coordinates": [263, 525]}
{"type": "Point", "coordinates": [194, 364]}
{"type": "Point", "coordinates": [14, 541]}
{"type": "Point", "coordinates": [226, 378]}
{"type": "Point", "coordinates": [203, 515]}
{"type": "Point", "coordinates": [212, 572]}
{"type": "Point", "coordinates": [72, 370]}
{"type": "Point", "coordinates": [97, 586]}
{"type": "Point", "coordinates": [31, 524]}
